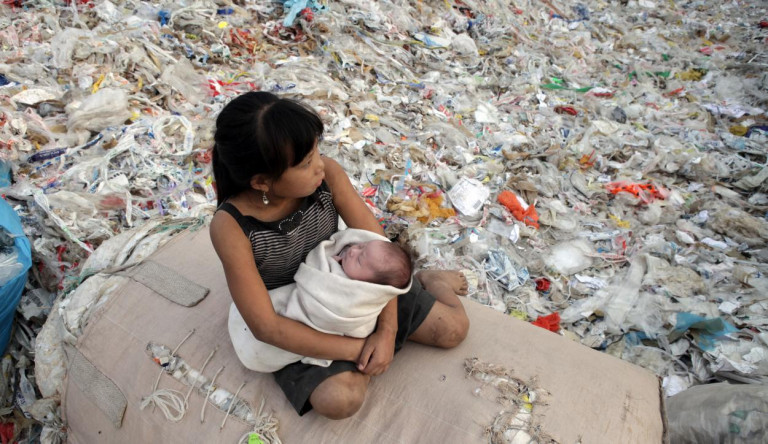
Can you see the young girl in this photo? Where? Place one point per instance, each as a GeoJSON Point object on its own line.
{"type": "Point", "coordinates": [278, 198]}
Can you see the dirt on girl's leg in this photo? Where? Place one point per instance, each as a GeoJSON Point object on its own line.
{"type": "Point", "coordinates": [455, 280]}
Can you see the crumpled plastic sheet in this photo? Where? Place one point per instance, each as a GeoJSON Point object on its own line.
{"type": "Point", "coordinates": [106, 120]}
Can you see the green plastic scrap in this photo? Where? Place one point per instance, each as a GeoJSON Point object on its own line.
{"type": "Point", "coordinates": [741, 414]}
{"type": "Point", "coordinates": [664, 74]}
{"type": "Point", "coordinates": [556, 86]}
{"type": "Point", "coordinates": [254, 438]}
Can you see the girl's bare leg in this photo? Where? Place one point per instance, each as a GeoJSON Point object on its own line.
{"type": "Point", "coordinates": [455, 280]}
{"type": "Point", "coordinates": [341, 395]}
{"type": "Point", "coordinates": [446, 324]}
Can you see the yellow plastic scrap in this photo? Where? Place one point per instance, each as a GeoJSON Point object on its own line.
{"type": "Point", "coordinates": [528, 406]}
{"type": "Point", "coordinates": [738, 130]}
{"type": "Point", "coordinates": [519, 315]}
{"type": "Point", "coordinates": [619, 223]}
{"type": "Point", "coordinates": [406, 208]}
{"type": "Point", "coordinates": [425, 208]}
{"type": "Point", "coordinates": [97, 84]}
{"type": "Point", "coordinates": [694, 74]}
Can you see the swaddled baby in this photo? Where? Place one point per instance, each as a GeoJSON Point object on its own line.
{"type": "Point", "coordinates": [341, 288]}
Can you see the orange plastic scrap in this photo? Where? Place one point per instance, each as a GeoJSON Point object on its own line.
{"type": "Point", "coordinates": [434, 202]}
{"type": "Point", "coordinates": [550, 322]}
{"type": "Point", "coordinates": [526, 215]}
{"type": "Point", "coordinates": [646, 192]}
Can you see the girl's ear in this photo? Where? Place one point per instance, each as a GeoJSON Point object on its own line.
{"type": "Point", "coordinates": [260, 182]}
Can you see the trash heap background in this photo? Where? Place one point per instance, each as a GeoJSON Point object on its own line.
{"type": "Point", "coordinates": [597, 168]}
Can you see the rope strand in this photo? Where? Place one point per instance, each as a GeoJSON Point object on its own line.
{"type": "Point", "coordinates": [208, 393]}
{"type": "Point", "coordinates": [168, 401]}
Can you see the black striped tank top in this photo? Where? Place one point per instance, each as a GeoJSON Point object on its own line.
{"type": "Point", "coordinates": [279, 247]}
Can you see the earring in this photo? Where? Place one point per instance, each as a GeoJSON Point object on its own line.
{"type": "Point", "coordinates": [264, 198]}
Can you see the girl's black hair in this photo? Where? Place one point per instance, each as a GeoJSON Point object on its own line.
{"type": "Point", "coordinates": [260, 133]}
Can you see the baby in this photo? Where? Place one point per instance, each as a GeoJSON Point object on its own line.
{"type": "Point", "coordinates": [376, 261]}
{"type": "Point", "coordinates": [340, 288]}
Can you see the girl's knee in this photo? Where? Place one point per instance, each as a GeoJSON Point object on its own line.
{"type": "Point", "coordinates": [340, 397]}
{"type": "Point", "coordinates": [456, 332]}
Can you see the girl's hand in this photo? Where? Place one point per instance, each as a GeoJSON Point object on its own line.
{"type": "Point", "coordinates": [378, 352]}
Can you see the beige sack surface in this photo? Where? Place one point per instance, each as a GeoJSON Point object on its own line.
{"type": "Point", "coordinates": [425, 397]}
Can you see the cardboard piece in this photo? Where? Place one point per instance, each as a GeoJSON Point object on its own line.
{"type": "Point", "coordinates": [425, 396]}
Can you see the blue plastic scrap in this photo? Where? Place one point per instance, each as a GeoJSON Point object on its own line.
{"type": "Point", "coordinates": [706, 331]}
{"type": "Point", "coordinates": [10, 293]}
{"type": "Point", "coordinates": [5, 173]}
{"type": "Point", "coordinates": [295, 7]}
{"type": "Point", "coordinates": [501, 269]}
{"type": "Point", "coordinates": [164, 16]}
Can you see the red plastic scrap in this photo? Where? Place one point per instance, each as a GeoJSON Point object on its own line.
{"type": "Point", "coordinates": [526, 215]}
{"type": "Point", "coordinates": [307, 14]}
{"type": "Point", "coordinates": [678, 91]}
{"type": "Point", "coordinates": [588, 160]}
{"type": "Point", "coordinates": [88, 3]}
{"type": "Point", "coordinates": [566, 110]}
{"type": "Point", "coordinates": [605, 94]}
{"type": "Point", "coordinates": [6, 432]}
{"type": "Point", "coordinates": [549, 322]}
{"type": "Point", "coordinates": [204, 156]}
{"type": "Point", "coordinates": [542, 285]}
{"type": "Point", "coordinates": [646, 192]}
{"type": "Point", "coordinates": [763, 24]}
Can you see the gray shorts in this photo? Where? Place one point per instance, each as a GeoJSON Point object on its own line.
{"type": "Point", "coordinates": [299, 380]}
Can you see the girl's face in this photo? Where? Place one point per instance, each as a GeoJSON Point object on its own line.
{"type": "Point", "coordinates": [301, 180]}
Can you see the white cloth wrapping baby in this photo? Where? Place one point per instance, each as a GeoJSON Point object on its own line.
{"type": "Point", "coordinates": [322, 297]}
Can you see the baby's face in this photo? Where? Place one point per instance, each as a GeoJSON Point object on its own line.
{"type": "Point", "coordinates": [360, 261]}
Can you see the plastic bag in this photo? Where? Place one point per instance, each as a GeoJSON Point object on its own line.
{"type": "Point", "coordinates": [722, 413]}
{"type": "Point", "coordinates": [107, 107]}
{"type": "Point", "coordinates": [10, 291]}
{"type": "Point", "coordinates": [10, 267]}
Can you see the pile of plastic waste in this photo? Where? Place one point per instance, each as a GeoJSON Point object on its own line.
{"type": "Point", "coordinates": [597, 168]}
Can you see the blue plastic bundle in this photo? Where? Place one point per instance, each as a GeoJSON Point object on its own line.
{"type": "Point", "coordinates": [10, 291]}
{"type": "Point", "coordinates": [294, 8]}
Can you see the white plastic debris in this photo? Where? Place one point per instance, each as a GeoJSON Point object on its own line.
{"type": "Point", "coordinates": [105, 138]}
{"type": "Point", "coordinates": [468, 196]}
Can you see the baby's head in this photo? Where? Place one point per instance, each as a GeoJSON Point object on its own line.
{"type": "Point", "coordinates": [378, 262]}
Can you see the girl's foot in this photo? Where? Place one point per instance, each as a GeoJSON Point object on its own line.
{"type": "Point", "coordinates": [454, 279]}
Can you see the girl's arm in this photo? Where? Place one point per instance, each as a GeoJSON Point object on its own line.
{"type": "Point", "coordinates": [380, 346]}
{"type": "Point", "coordinates": [252, 300]}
